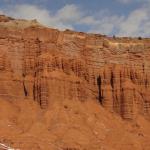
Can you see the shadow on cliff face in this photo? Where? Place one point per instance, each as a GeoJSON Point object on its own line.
{"type": "Point", "coordinates": [99, 82]}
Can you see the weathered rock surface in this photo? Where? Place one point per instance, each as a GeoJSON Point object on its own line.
{"type": "Point", "coordinates": [67, 73]}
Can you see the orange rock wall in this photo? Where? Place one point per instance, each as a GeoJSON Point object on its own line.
{"type": "Point", "coordinates": [45, 65]}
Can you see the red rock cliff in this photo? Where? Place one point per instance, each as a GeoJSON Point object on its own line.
{"type": "Point", "coordinates": [46, 64]}
{"type": "Point", "coordinates": [49, 66]}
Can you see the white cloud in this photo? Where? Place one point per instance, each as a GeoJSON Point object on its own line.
{"type": "Point", "coordinates": [29, 12]}
{"type": "Point", "coordinates": [106, 24]}
{"type": "Point", "coordinates": [136, 23]}
{"type": "Point", "coordinates": [60, 19]}
{"type": "Point", "coordinates": [69, 13]}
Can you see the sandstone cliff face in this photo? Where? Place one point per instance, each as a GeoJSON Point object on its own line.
{"type": "Point", "coordinates": [50, 66]}
{"type": "Point", "coordinates": [46, 64]}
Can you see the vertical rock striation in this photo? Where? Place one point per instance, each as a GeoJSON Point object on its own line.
{"type": "Point", "coordinates": [46, 65]}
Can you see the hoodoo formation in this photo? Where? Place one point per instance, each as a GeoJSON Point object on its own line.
{"type": "Point", "coordinates": [66, 90]}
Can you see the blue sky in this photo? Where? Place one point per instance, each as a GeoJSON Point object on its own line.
{"type": "Point", "coordinates": [110, 17]}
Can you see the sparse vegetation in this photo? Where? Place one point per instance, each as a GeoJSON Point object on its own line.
{"type": "Point", "coordinates": [139, 38]}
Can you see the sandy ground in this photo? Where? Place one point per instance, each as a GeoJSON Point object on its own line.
{"type": "Point", "coordinates": [69, 125]}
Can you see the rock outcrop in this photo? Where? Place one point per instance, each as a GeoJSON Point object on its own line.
{"type": "Point", "coordinates": [48, 66]}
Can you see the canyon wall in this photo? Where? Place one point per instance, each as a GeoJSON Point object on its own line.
{"type": "Point", "coordinates": [46, 65]}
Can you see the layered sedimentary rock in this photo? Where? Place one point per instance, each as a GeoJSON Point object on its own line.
{"type": "Point", "coordinates": [46, 65]}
